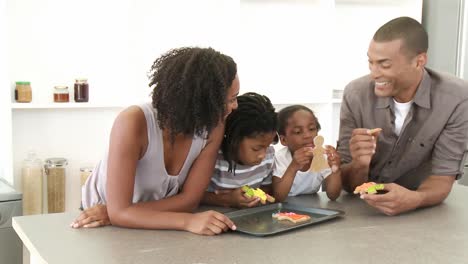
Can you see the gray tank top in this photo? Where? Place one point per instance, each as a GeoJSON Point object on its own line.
{"type": "Point", "coordinates": [152, 182]}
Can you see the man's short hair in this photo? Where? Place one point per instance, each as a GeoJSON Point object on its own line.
{"type": "Point", "coordinates": [414, 36]}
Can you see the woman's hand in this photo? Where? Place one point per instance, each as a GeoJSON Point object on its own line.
{"type": "Point", "coordinates": [209, 223]}
{"type": "Point", "coordinates": [92, 217]}
{"type": "Point", "coordinates": [334, 159]}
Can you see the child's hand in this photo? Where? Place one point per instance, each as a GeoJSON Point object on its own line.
{"type": "Point", "coordinates": [334, 159]}
{"type": "Point", "coordinates": [237, 198]}
{"type": "Point", "coordinates": [209, 223]}
{"type": "Point", "coordinates": [302, 158]}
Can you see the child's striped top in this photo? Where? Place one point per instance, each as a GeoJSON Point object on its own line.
{"type": "Point", "coordinates": [253, 176]}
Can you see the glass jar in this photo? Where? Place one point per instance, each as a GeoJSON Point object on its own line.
{"type": "Point", "coordinates": [55, 173]}
{"type": "Point", "coordinates": [81, 89]}
{"type": "Point", "coordinates": [31, 181]}
{"type": "Point", "coordinates": [61, 94]}
{"type": "Point", "coordinates": [85, 172]}
{"type": "Point", "coordinates": [23, 92]}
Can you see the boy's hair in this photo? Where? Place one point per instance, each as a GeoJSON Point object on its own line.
{"type": "Point", "coordinates": [190, 89]}
{"type": "Point", "coordinates": [285, 113]}
{"type": "Point", "coordinates": [413, 34]}
{"type": "Point", "coordinates": [255, 115]}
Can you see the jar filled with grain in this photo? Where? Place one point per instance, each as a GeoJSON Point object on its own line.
{"type": "Point", "coordinates": [55, 173]}
{"type": "Point", "coordinates": [31, 181]}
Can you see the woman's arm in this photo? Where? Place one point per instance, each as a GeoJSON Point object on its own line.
{"type": "Point", "coordinates": [123, 157]}
{"type": "Point", "coordinates": [127, 145]}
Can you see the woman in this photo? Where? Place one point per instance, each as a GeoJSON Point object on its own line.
{"type": "Point", "coordinates": [161, 155]}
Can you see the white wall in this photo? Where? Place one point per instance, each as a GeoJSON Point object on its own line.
{"type": "Point", "coordinates": [285, 45]}
{"type": "Point", "coordinates": [356, 24]}
{"type": "Point", "coordinates": [5, 110]}
{"type": "Point", "coordinates": [282, 47]}
{"type": "Point", "coordinates": [111, 42]}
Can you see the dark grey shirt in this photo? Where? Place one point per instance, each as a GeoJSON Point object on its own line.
{"type": "Point", "coordinates": [433, 137]}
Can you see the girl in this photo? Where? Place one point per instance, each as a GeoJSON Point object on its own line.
{"type": "Point", "coordinates": [246, 157]}
{"type": "Point", "coordinates": [298, 127]}
{"type": "Point", "coordinates": [161, 155]}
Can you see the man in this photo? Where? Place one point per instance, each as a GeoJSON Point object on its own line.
{"type": "Point", "coordinates": [423, 115]}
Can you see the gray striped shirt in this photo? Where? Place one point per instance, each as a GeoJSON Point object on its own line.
{"type": "Point", "coordinates": [254, 176]}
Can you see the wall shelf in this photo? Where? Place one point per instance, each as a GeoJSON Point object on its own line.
{"type": "Point", "coordinates": [70, 105]}
{"type": "Point", "coordinates": [313, 102]}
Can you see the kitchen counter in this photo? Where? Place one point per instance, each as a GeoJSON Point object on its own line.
{"type": "Point", "coordinates": [432, 235]}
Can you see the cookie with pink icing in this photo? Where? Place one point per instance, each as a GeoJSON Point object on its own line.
{"type": "Point", "coordinates": [290, 216]}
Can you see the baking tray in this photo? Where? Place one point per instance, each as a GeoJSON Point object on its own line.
{"type": "Point", "coordinates": [258, 221]}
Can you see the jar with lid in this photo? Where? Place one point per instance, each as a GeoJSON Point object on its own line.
{"type": "Point", "coordinates": [31, 181]}
{"type": "Point", "coordinates": [55, 173]}
{"type": "Point", "coordinates": [61, 94]}
{"type": "Point", "coordinates": [81, 89]}
{"type": "Point", "coordinates": [23, 92]}
{"type": "Point", "coordinates": [85, 172]}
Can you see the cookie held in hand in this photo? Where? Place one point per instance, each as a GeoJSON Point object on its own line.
{"type": "Point", "coordinates": [374, 131]}
{"type": "Point", "coordinates": [259, 193]}
{"type": "Point", "coordinates": [369, 188]}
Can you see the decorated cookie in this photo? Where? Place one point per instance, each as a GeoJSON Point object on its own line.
{"type": "Point", "coordinates": [369, 187]}
{"type": "Point", "coordinates": [374, 131]}
{"type": "Point", "coordinates": [290, 216]}
{"type": "Point", "coordinates": [264, 197]}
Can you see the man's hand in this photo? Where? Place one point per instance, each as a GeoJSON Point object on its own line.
{"type": "Point", "coordinates": [362, 146]}
{"type": "Point", "coordinates": [397, 200]}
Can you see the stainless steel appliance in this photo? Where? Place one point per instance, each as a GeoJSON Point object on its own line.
{"type": "Point", "coordinates": [11, 248]}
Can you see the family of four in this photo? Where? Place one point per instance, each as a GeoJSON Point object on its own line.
{"type": "Point", "coordinates": [199, 141]}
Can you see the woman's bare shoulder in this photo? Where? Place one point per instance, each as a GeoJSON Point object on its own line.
{"type": "Point", "coordinates": [132, 115]}
{"type": "Point", "coordinates": [130, 122]}
{"type": "Point", "coordinates": [216, 135]}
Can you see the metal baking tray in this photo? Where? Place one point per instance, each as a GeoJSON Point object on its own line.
{"type": "Point", "coordinates": [258, 221]}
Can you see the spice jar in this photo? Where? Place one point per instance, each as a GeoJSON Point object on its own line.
{"type": "Point", "coordinates": [81, 89]}
{"type": "Point", "coordinates": [31, 180]}
{"type": "Point", "coordinates": [61, 94]}
{"type": "Point", "coordinates": [55, 173]}
{"type": "Point", "coordinates": [23, 92]}
{"type": "Point", "coordinates": [84, 174]}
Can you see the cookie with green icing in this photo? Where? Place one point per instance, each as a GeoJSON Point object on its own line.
{"type": "Point", "coordinates": [259, 193]}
